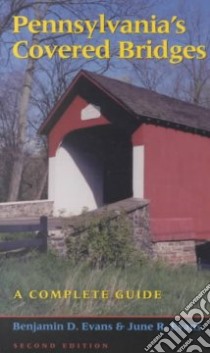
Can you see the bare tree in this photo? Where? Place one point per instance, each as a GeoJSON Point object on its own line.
{"type": "Point", "coordinates": [150, 75]}
{"type": "Point", "coordinates": [9, 98]}
{"type": "Point", "coordinates": [18, 164]}
{"type": "Point", "coordinates": [191, 79]}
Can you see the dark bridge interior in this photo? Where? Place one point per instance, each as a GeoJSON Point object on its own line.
{"type": "Point", "coordinates": [111, 149]}
{"type": "Point", "coordinates": [203, 255]}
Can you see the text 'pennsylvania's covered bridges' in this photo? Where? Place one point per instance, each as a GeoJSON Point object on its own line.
{"type": "Point", "coordinates": [109, 140]}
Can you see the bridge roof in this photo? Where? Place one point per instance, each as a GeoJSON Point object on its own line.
{"type": "Point", "coordinates": [140, 104]}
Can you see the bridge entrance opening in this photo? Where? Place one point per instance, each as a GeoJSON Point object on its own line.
{"type": "Point", "coordinates": [93, 168]}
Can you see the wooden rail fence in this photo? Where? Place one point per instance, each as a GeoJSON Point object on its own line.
{"type": "Point", "coordinates": [37, 243]}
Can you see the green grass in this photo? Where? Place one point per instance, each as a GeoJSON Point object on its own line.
{"type": "Point", "coordinates": [178, 285]}
{"type": "Point", "coordinates": [17, 236]}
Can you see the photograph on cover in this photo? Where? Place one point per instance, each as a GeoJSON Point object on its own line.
{"type": "Point", "coordinates": [104, 157]}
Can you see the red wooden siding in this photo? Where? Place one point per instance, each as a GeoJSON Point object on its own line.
{"type": "Point", "coordinates": [177, 176]}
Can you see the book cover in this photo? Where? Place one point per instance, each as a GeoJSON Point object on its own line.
{"type": "Point", "coordinates": [104, 176]}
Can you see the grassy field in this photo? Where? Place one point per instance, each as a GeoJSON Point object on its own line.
{"type": "Point", "coordinates": [46, 272]}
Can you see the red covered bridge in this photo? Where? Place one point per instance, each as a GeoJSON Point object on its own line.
{"type": "Point", "coordinates": [110, 140]}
